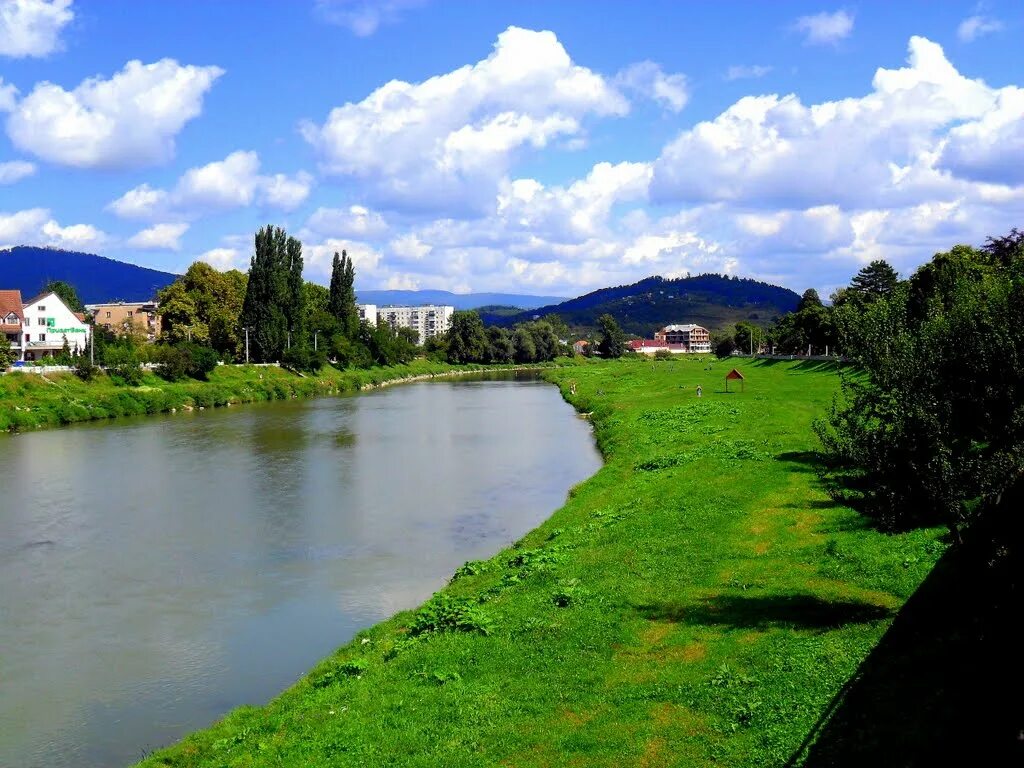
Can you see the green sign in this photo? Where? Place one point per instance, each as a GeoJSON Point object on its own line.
{"type": "Point", "coordinates": [51, 329]}
{"type": "Point", "coordinates": [50, 322]}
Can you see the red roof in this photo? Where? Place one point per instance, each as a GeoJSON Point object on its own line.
{"type": "Point", "coordinates": [10, 302]}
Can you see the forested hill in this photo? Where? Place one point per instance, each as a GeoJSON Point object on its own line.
{"type": "Point", "coordinates": [714, 301]}
{"type": "Point", "coordinates": [95, 278]}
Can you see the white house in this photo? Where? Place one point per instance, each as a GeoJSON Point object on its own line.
{"type": "Point", "coordinates": [47, 324]}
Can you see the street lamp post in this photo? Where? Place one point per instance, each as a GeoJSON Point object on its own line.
{"type": "Point", "coordinates": [247, 345]}
{"type": "Point", "coordinates": [314, 340]}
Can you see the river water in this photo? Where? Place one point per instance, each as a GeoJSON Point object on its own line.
{"type": "Point", "coordinates": [155, 573]}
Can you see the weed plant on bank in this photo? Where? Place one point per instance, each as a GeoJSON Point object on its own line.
{"type": "Point", "coordinates": [699, 601]}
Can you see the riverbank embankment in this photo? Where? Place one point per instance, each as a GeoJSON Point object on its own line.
{"type": "Point", "coordinates": [700, 600]}
{"type": "Point", "coordinates": [33, 401]}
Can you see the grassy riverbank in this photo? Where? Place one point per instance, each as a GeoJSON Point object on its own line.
{"type": "Point", "coordinates": [699, 600]}
{"type": "Point", "coordinates": [31, 401]}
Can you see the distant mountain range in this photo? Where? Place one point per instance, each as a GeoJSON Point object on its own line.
{"type": "Point", "coordinates": [97, 279]}
{"type": "Point", "coordinates": [714, 301]}
{"type": "Point", "coordinates": [457, 300]}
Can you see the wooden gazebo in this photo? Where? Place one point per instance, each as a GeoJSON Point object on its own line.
{"type": "Point", "coordinates": [733, 375]}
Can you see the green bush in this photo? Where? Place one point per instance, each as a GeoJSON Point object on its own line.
{"type": "Point", "coordinates": [449, 614]}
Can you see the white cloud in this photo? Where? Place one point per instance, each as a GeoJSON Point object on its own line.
{"type": "Point", "coordinates": [128, 121]}
{"type": "Point", "coordinates": [32, 27]}
{"type": "Point", "coordinates": [355, 221]}
{"type": "Point", "coordinates": [363, 17]}
{"type": "Point", "coordinates": [8, 96]}
{"type": "Point", "coordinates": [285, 193]}
{"type": "Point", "coordinates": [15, 170]}
{"type": "Point", "coordinates": [35, 226]}
{"type": "Point", "coordinates": [402, 283]}
{"type": "Point", "coordinates": [973, 27]}
{"type": "Point", "coordinates": [825, 28]}
{"type": "Point", "coordinates": [234, 182]}
{"type": "Point", "coordinates": [744, 72]}
{"type": "Point", "coordinates": [409, 247]}
{"type": "Point", "coordinates": [319, 256]}
{"type": "Point", "coordinates": [159, 237]}
{"type": "Point", "coordinates": [139, 203]}
{"type": "Point", "coordinates": [990, 148]}
{"type": "Point", "coordinates": [445, 143]}
{"type": "Point", "coordinates": [227, 183]}
{"type": "Point", "coordinates": [881, 148]}
{"type": "Point", "coordinates": [647, 79]}
{"type": "Point", "coordinates": [222, 258]}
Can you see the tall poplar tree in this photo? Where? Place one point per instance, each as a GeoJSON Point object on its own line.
{"type": "Point", "coordinates": [342, 301]}
{"type": "Point", "coordinates": [272, 304]}
{"type": "Point", "coordinates": [295, 296]}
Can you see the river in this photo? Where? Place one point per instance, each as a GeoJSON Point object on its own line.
{"type": "Point", "coordinates": [156, 573]}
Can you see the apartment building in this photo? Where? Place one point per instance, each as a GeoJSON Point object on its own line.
{"type": "Point", "coordinates": [41, 326]}
{"type": "Point", "coordinates": [693, 338]}
{"type": "Point", "coordinates": [428, 319]}
{"type": "Point", "coordinates": [367, 313]}
{"type": "Point", "coordinates": [122, 316]}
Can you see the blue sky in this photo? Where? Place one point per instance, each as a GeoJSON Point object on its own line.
{"type": "Point", "coordinates": [540, 147]}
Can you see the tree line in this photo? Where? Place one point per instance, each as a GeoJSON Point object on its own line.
{"type": "Point", "coordinates": [929, 426]}
{"type": "Point", "coordinates": [814, 327]}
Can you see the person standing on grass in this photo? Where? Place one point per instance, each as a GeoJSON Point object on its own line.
{"type": "Point", "coordinates": [699, 390]}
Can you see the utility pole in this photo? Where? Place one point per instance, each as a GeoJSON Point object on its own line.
{"type": "Point", "coordinates": [92, 345]}
{"type": "Point", "coordinates": [314, 340]}
{"type": "Point", "coordinates": [247, 345]}
{"type": "Point", "coordinates": [289, 338]}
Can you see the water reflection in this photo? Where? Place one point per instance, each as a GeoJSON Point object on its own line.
{"type": "Point", "coordinates": [156, 573]}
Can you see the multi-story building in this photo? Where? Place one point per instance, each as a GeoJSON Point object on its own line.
{"type": "Point", "coordinates": [428, 319]}
{"type": "Point", "coordinates": [122, 317]}
{"type": "Point", "coordinates": [694, 338]}
{"type": "Point", "coordinates": [367, 313]}
{"type": "Point", "coordinates": [43, 325]}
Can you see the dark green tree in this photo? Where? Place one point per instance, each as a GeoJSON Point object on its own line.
{"type": "Point", "coordinates": [342, 295]}
{"type": "Point", "coordinates": [500, 346]}
{"type": "Point", "coordinates": [295, 294]}
{"type": "Point", "coordinates": [931, 429]}
{"type": "Point", "coordinates": [613, 340]}
{"type": "Point", "coordinates": [467, 340]}
{"type": "Point", "coordinates": [525, 349]}
{"type": "Point", "coordinates": [875, 281]}
{"type": "Point", "coordinates": [267, 303]}
{"type": "Point", "coordinates": [545, 342]}
{"type": "Point", "coordinates": [809, 300]}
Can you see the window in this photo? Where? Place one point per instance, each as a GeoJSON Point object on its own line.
{"type": "Point", "coordinates": [42, 337]}
{"type": "Point", "coordinates": [42, 308]}
{"type": "Point", "coordinates": [42, 321]}
{"type": "Point", "coordinates": [108, 314]}
{"type": "Point", "coordinates": [129, 313]}
{"type": "Point", "coordinates": [28, 337]}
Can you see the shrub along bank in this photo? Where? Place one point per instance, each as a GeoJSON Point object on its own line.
{"type": "Point", "coordinates": [29, 401]}
{"type": "Point", "coordinates": [699, 601]}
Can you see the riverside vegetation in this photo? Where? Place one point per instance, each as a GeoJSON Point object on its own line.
{"type": "Point", "coordinates": [30, 401]}
{"type": "Point", "coordinates": [700, 600]}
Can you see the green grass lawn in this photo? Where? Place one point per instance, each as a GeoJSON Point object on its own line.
{"type": "Point", "coordinates": [699, 600]}
{"type": "Point", "coordinates": [30, 401]}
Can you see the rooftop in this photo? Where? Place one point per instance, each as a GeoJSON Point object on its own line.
{"type": "Point", "coordinates": [10, 303]}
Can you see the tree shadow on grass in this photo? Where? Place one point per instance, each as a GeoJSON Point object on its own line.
{"type": "Point", "coordinates": [797, 611]}
{"type": "Point", "coordinates": [941, 688]}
